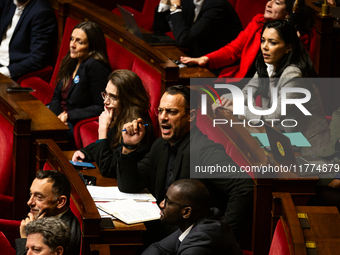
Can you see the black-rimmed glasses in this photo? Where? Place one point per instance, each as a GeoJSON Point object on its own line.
{"type": "Point", "coordinates": [167, 201]}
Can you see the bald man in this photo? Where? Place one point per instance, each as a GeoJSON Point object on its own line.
{"type": "Point", "coordinates": [201, 230]}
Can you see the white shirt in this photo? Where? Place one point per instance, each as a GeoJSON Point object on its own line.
{"type": "Point", "coordinates": [185, 233]}
{"type": "Point", "coordinates": [4, 47]}
{"type": "Point", "coordinates": [270, 70]}
{"type": "Point", "coordinates": [198, 6]}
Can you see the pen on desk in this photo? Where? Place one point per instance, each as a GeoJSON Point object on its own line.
{"type": "Point", "coordinates": [145, 125]}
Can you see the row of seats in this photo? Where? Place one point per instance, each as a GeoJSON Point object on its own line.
{"type": "Point", "coordinates": [120, 58]}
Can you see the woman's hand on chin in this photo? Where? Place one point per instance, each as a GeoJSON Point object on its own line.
{"type": "Point", "coordinates": [105, 120]}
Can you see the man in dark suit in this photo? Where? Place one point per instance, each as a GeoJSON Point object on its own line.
{"type": "Point", "coordinates": [202, 230]}
{"type": "Point", "coordinates": [28, 34]}
{"type": "Point", "coordinates": [50, 197]}
{"type": "Point", "coordinates": [175, 156]}
{"type": "Point", "coordinates": [202, 26]}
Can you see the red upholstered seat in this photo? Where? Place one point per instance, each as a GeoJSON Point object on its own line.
{"type": "Point", "coordinates": [281, 240]}
{"type": "Point", "coordinates": [217, 136]}
{"type": "Point", "coordinates": [152, 83]}
{"type": "Point", "coordinates": [10, 228]}
{"type": "Point", "coordinates": [5, 246]}
{"type": "Point", "coordinates": [85, 132]}
{"type": "Point", "coordinates": [247, 9]}
{"type": "Point", "coordinates": [6, 168]}
{"type": "Point", "coordinates": [119, 57]}
{"type": "Point", "coordinates": [44, 90]}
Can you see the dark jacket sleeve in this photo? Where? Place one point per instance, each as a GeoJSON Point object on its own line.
{"type": "Point", "coordinates": [212, 16]}
{"type": "Point", "coordinates": [235, 188]}
{"type": "Point", "coordinates": [166, 246]}
{"type": "Point", "coordinates": [84, 99]}
{"type": "Point", "coordinates": [55, 104]}
{"type": "Point", "coordinates": [107, 158]}
{"type": "Point", "coordinates": [96, 74]}
{"type": "Point", "coordinates": [20, 246]}
{"type": "Point", "coordinates": [40, 39]}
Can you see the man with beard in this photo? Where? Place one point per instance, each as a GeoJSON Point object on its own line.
{"type": "Point", "coordinates": [28, 33]}
{"type": "Point", "coordinates": [50, 197]}
{"type": "Point", "coordinates": [202, 230]}
{"type": "Point", "coordinates": [172, 156]}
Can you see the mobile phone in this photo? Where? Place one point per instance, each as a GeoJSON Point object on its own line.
{"type": "Point", "coordinates": [19, 89]}
{"type": "Point", "coordinates": [81, 165]}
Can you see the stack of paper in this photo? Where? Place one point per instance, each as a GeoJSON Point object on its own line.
{"type": "Point", "coordinates": [130, 211]}
{"type": "Point", "coordinates": [112, 193]}
{"type": "Point", "coordinates": [128, 207]}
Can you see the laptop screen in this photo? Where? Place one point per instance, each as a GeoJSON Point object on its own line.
{"type": "Point", "coordinates": [281, 146]}
{"type": "Point", "coordinates": [130, 22]}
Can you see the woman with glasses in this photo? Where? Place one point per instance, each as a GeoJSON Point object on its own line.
{"type": "Point", "coordinates": [125, 99]}
{"type": "Point", "coordinates": [82, 76]}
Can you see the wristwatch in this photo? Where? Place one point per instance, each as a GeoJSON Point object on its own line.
{"type": "Point", "coordinates": [175, 7]}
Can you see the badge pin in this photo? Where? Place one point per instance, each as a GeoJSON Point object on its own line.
{"type": "Point", "coordinates": [76, 79]}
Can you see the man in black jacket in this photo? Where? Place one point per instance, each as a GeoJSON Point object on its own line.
{"type": "Point", "coordinates": [28, 32]}
{"type": "Point", "coordinates": [50, 197]}
{"type": "Point", "coordinates": [175, 155]}
{"type": "Point", "coordinates": [202, 26]}
{"type": "Point", "coordinates": [202, 230]}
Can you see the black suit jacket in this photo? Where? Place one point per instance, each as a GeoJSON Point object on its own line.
{"type": "Point", "coordinates": [233, 189]}
{"type": "Point", "coordinates": [34, 37]}
{"type": "Point", "coordinates": [84, 99]}
{"type": "Point", "coordinates": [216, 25]}
{"type": "Point", "coordinates": [72, 222]}
{"type": "Point", "coordinates": [210, 235]}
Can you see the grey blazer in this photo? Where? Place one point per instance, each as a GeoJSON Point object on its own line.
{"type": "Point", "coordinates": [314, 127]}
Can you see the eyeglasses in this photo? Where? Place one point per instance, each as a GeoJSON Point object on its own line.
{"type": "Point", "coordinates": [112, 98]}
{"type": "Point", "coordinates": [168, 111]}
{"type": "Point", "coordinates": [167, 201]}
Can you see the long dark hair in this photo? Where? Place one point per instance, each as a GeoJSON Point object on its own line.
{"type": "Point", "coordinates": [133, 100]}
{"type": "Point", "coordinates": [298, 56]}
{"type": "Point", "coordinates": [97, 50]}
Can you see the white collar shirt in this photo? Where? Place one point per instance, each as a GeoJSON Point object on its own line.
{"type": "Point", "coordinates": [4, 46]}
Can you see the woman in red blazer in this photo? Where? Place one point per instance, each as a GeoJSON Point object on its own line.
{"type": "Point", "coordinates": [246, 46]}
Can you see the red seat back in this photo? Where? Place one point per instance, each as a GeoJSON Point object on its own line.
{"type": "Point", "coordinates": [281, 240]}
{"type": "Point", "coordinates": [5, 246]}
{"type": "Point", "coordinates": [64, 47]}
{"type": "Point", "coordinates": [10, 229]}
{"type": "Point", "coordinates": [214, 133]}
{"type": "Point", "coordinates": [6, 155]}
{"type": "Point", "coordinates": [247, 9]}
{"type": "Point", "coordinates": [152, 83]}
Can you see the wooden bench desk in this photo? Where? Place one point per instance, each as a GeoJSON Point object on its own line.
{"type": "Point", "coordinates": [324, 223]}
{"type": "Point", "coordinates": [125, 238]}
{"type": "Point", "coordinates": [113, 26]}
{"type": "Point", "coordinates": [43, 124]}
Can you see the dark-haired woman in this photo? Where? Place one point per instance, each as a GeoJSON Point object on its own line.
{"type": "Point", "coordinates": [125, 100]}
{"type": "Point", "coordinates": [82, 76]}
{"type": "Point", "coordinates": [245, 47]}
{"type": "Point", "coordinates": [281, 63]}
